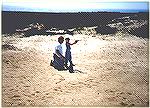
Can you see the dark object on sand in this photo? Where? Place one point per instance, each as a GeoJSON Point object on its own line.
{"type": "Point", "coordinates": [105, 30]}
{"type": "Point", "coordinates": [142, 31]}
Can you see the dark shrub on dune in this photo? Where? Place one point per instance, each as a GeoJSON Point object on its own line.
{"type": "Point", "coordinates": [69, 32]}
{"type": "Point", "coordinates": [104, 30]}
{"type": "Point", "coordinates": [142, 31]}
{"type": "Point", "coordinates": [33, 32]}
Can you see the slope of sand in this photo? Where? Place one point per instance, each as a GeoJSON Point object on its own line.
{"type": "Point", "coordinates": [109, 71]}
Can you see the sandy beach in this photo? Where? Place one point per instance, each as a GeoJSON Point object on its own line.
{"type": "Point", "coordinates": [109, 71]}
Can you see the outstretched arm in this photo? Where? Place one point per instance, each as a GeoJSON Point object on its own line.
{"type": "Point", "coordinates": [74, 42]}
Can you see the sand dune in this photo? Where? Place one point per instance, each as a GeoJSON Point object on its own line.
{"type": "Point", "coordinates": [109, 71]}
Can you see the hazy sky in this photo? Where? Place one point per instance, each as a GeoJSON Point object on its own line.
{"type": "Point", "coordinates": [70, 5]}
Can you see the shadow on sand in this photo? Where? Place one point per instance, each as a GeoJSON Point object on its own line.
{"type": "Point", "coordinates": [79, 71]}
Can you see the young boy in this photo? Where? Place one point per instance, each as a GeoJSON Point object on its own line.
{"type": "Point", "coordinates": [68, 57]}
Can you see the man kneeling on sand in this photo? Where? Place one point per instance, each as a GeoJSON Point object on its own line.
{"type": "Point", "coordinates": [58, 57]}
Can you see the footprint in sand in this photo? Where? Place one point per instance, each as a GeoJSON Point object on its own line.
{"type": "Point", "coordinates": [29, 100]}
{"type": "Point", "coordinates": [15, 96]}
{"type": "Point", "coordinates": [127, 105]}
{"type": "Point", "coordinates": [33, 94]}
{"type": "Point", "coordinates": [109, 91]}
{"type": "Point", "coordinates": [58, 89]}
{"type": "Point", "coordinates": [26, 86]}
{"type": "Point", "coordinates": [129, 93]}
{"type": "Point", "coordinates": [123, 104]}
{"type": "Point", "coordinates": [57, 78]}
{"type": "Point", "coordinates": [37, 92]}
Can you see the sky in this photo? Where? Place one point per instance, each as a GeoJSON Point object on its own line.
{"type": "Point", "coordinates": [69, 5]}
